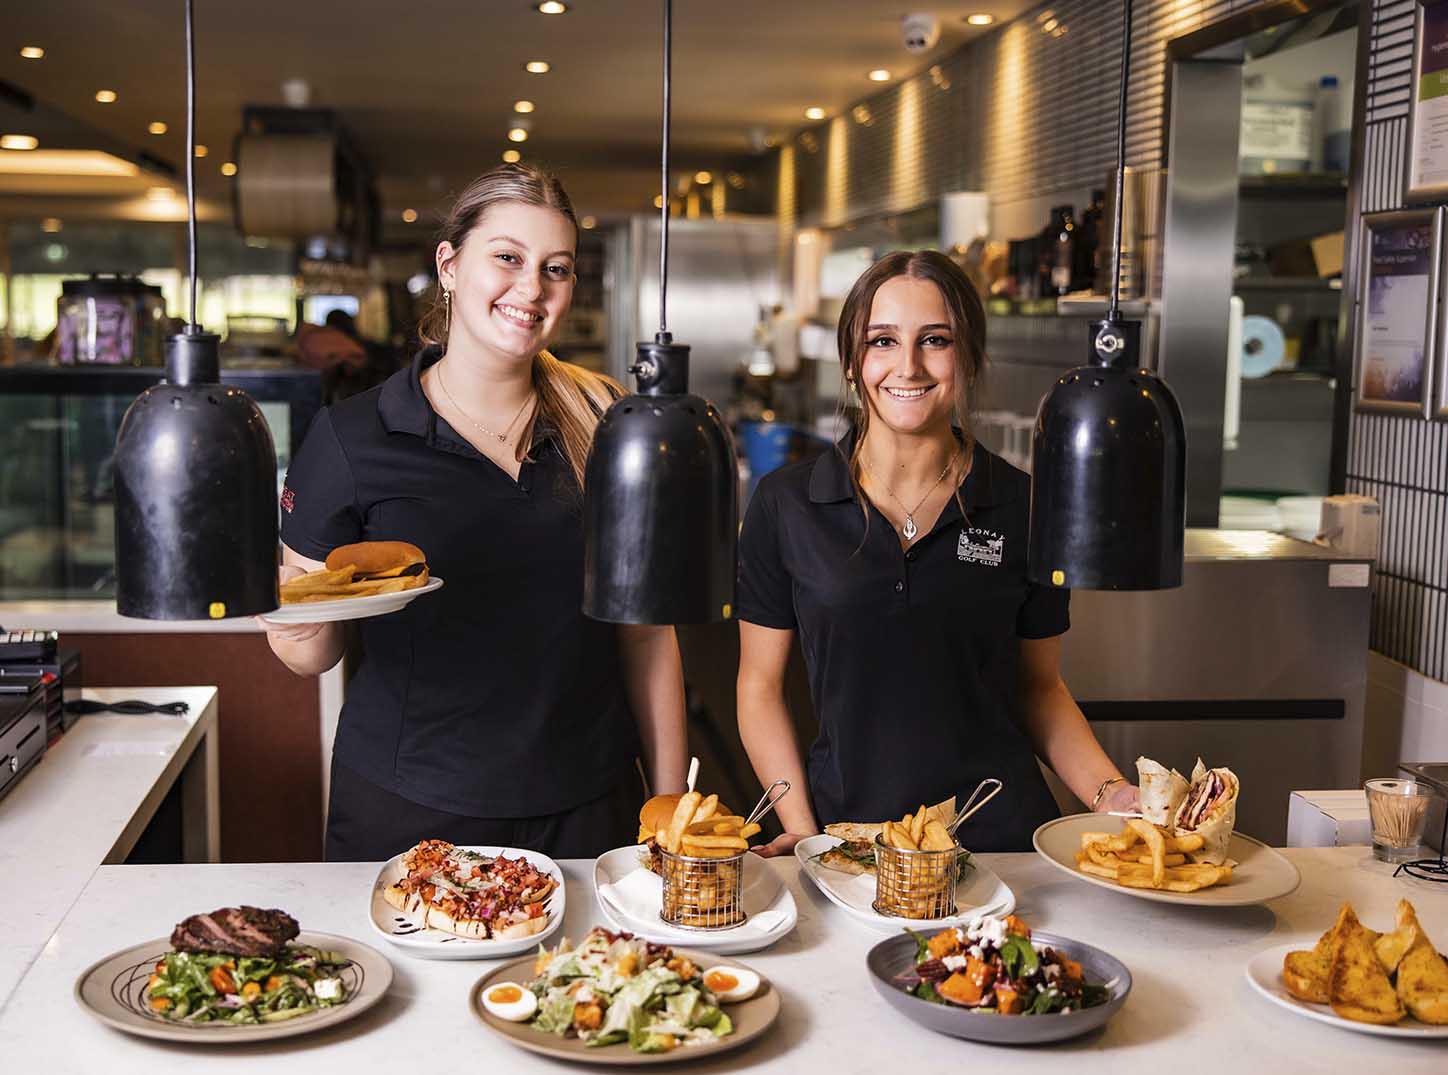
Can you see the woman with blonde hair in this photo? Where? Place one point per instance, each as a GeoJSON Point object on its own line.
{"type": "Point", "coordinates": [898, 560]}
{"type": "Point", "coordinates": [491, 711]}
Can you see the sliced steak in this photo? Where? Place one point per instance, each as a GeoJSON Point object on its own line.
{"type": "Point", "coordinates": [237, 931]}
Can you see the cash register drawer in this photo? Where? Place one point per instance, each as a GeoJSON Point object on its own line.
{"type": "Point", "coordinates": [22, 737]}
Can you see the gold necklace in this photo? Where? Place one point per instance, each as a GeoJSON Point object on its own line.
{"type": "Point", "coordinates": [503, 436]}
{"type": "Point", "coordinates": [909, 529]}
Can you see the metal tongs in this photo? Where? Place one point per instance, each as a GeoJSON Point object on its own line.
{"type": "Point", "coordinates": [971, 805]}
{"type": "Point", "coordinates": [768, 801]}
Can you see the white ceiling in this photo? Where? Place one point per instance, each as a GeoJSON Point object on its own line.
{"type": "Point", "coordinates": [427, 86]}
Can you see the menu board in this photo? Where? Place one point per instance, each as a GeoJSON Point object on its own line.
{"type": "Point", "coordinates": [1398, 305]}
{"type": "Point", "coordinates": [1427, 172]}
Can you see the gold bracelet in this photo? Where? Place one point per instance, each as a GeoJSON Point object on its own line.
{"type": "Point", "coordinates": [1095, 802]}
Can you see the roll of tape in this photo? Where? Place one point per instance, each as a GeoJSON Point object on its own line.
{"type": "Point", "coordinates": [1263, 346]}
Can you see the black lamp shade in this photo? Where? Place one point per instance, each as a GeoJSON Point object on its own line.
{"type": "Point", "coordinates": [196, 503]}
{"type": "Point", "coordinates": [1108, 481]}
{"type": "Point", "coordinates": [661, 503]}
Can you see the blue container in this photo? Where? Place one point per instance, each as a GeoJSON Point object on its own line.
{"type": "Point", "coordinates": [766, 447]}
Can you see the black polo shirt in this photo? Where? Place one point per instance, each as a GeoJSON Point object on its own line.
{"type": "Point", "coordinates": [494, 696]}
{"type": "Point", "coordinates": [912, 655]}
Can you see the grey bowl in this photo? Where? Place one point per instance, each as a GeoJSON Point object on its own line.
{"type": "Point", "coordinates": [891, 958]}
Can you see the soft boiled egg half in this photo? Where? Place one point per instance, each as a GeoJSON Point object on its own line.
{"type": "Point", "coordinates": [731, 984]}
{"type": "Point", "coordinates": [510, 1001]}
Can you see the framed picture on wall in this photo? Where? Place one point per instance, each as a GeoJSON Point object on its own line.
{"type": "Point", "coordinates": [1426, 176]}
{"type": "Point", "coordinates": [1398, 337]}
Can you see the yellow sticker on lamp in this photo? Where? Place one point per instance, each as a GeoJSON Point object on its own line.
{"type": "Point", "coordinates": [1058, 578]}
{"type": "Point", "coordinates": [217, 611]}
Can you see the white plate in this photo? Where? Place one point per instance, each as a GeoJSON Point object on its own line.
{"type": "Point", "coordinates": [978, 892]}
{"type": "Point", "coordinates": [1264, 973]}
{"type": "Point", "coordinates": [351, 608]}
{"type": "Point", "coordinates": [398, 929]}
{"type": "Point", "coordinates": [1261, 874]}
{"type": "Point", "coordinates": [763, 894]}
{"type": "Point", "coordinates": [112, 990]}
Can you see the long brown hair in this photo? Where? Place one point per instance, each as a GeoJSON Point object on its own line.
{"type": "Point", "coordinates": [967, 325]}
{"type": "Point", "coordinates": [570, 398]}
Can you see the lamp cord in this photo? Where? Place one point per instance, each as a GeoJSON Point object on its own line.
{"type": "Point", "coordinates": [191, 327]}
{"type": "Point", "coordinates": [664, 180]}
{"type": "Point", "coordinates": [1114, 313]}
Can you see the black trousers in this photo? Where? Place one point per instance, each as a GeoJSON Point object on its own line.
{"type": "Point", "coordinates": [366, 823]}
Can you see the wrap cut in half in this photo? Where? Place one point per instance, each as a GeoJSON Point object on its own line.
{"type": "Point", "coordinates": [1162, 791]}
{"type": "Point", "coordinates": [1210, 811]}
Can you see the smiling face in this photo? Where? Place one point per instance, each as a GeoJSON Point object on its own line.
{"type": "Point", "coordinates": [512, 279]}
{"type": "Point", "coordinates": [908, 373]}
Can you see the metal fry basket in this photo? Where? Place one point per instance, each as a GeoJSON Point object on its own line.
{"type": "Point", "coordinates": [915, 884]}
{"type": "Point", "coordinates": [702, 893]}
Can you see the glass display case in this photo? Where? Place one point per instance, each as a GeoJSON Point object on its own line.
{"type": "Point", "coordinates": [57, 437]}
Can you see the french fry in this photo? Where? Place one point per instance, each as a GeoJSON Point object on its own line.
{"type": "Point", "coordinates": [1123, 841]}
{"type": "Point", "coordinates": [917, 826]}
{"type": "Point", "coordinates": [1094, 838]}
{"type": "Point", "coordinates": [1155, 843]}
{"type": "Point", "coordinates": [935, 838]}
{"type": "Point", "coordinates": [1109, 872]}
{"type": "Point", "coordinates": [902, 840]}
{"type": "Point", "coordinates": [1171, 859]}
{"type": "Point", "coordinates": [707, 808]}
{"type": "Point", "coordinates": [1098, 854]}
{"type": "Point", "coordinates": [736, 842]}
{"type": "Point", "coordinates": [694, 850]}
{"type": "Point", "coordinates": [750, 830]}
{"type": "Point", "coordinates": [683, 814]}
{"type": "Point", "coordinates": [717, 823]}
{"type": "Point", "coordinates": [1190, 842]}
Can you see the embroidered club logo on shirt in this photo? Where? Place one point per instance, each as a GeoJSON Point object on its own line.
{"type": "Point", "coordinates": [289, 499]}
{"type": "Point", "coordinates": [978, 546]}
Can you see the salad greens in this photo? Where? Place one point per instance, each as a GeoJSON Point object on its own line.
{"type": "Point", "coordinates": [196, 987]}
{"type": "Point", "coordinates": [992, 965]}
{"type": "Point", "coordinates": [614, 987]}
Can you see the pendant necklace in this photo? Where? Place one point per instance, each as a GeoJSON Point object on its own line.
{"type": "Point", "coordinates": [503, 436]}
{"type": "Point", "coordinates": [909, 529]}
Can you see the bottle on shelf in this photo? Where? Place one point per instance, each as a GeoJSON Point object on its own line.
{"type": "Point", "coordinates": [1058, 252]}
{"type": "Point", "coordinates": [1088, 241]}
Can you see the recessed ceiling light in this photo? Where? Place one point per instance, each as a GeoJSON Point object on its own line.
{"type": "Point", "coordinates": [18, 141]}
{"type": "Point", "coordinates": [814, 113]}
{"type": "Point", "coordinates": [980, 20]}
{"type": "Point", "coordinates": [879, 74]}
{"type": "Point", "coordinates": [658, 201]}
{"type": "Point", "coordinates": [156, 127]}
{"type": "Point", "coordinates": [409, 216]}
{"type": "Point", "coordinates": [50, 225]}
{"type": "Point", "coordinates": [703, 177]}
{"type": "Point", "coordinates": [106, 97]}
{"type": "Point", "coordinates": [229, 168]}
{"type": "Point", "coordinates": [551, 7]}
{"type": "Point", "coordinates": [536, 67]}
{"type": "Point", "coordinates": [160, 194]}
{"type": "Point", "coordinates": [511, 156]}
{"type": "Point", "coordinates": [31, 52]}
{"type": "Point", "coordinates": [588, 223]}
{"type": "Point", "coordinates": [1050, 24]}
{"type": "Point", "coordinates": [200, 150]}
{"type": "Point", "coordinates": [517, 134]}
{"type": "Point", "coordinates": [523, 107]}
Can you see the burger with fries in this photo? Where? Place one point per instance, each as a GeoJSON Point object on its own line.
{"type": "Point", "coordinates": [359, 570]}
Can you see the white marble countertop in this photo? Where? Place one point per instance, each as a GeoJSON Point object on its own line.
{"type": "Point", "coordinates": [101, 617]}
{"type": "Point", "coordinates": [1191, 1008]}
{"type": "Point", "coordinates": [85, 803]}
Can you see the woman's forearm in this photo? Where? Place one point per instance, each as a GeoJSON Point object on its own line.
{"type": "Point", "coordinates": [653, 677]}
{"type": "Point", "coordinates": [1062, 737]}
{"type": "Point", "coordinates": [312, 656]}
{"type": "Point", "coordinates": [768, 735]}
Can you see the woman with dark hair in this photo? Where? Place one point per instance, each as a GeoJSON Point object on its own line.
{"type": "Point", "coordinates": [899, 561]}
{"type": "Point", "coordinates": [491, 711]}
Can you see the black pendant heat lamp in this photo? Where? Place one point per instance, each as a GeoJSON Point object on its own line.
{"type": "Point", "coordinates": [661, 489]}
{"type": "Point", "coordinates": [1108, 472]}
{"type": "Point", "coordinates": [195, 472]}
